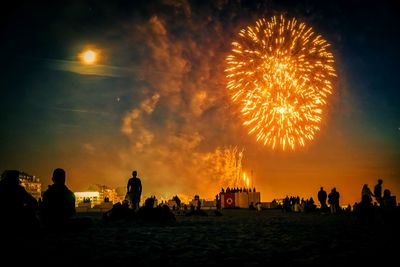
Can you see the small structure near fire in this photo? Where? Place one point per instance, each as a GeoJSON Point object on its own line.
{"type": "Point", "coordinates": [239, 198]}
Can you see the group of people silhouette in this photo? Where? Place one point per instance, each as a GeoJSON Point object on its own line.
{"type": "Point", "coordinates": [384, 205]}
{"type": "Point", "coordinates": [333, 200]}
{"type": "Point", "coordinates": [383, 198]}
{"type": "Point", "coordinates": [22, 211]}
{"type": "Point", "coordinates": [130, 208]}
{"type": "Point", "coordinates": [375, 205]}
{"type": "Point", "coordinates": [296, 204]}
{"type": "Point", "coordinates": [56, 208]}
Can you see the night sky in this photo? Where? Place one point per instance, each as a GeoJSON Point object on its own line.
{"type": "Point", "coordinates": [156, 101]}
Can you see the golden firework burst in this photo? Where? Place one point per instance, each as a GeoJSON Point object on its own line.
{"type": "Point", "coordinates": [280, 72]}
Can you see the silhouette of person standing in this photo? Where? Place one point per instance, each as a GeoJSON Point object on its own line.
{"type": "Point", "coordinates": [58, 205]}
{"type": "Point", "coordinates": [322, 196]}
{"type": "Point", "coordinates": [366, 195]}
{"type": "Point", "coordinates": [333, 200]}
{"type": "Point", "coordinates": [378, 192]}
{"type": "Point", "coordinates": [134, 189]}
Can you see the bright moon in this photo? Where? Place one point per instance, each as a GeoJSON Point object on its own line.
{"type": "Point", "coordinates": [89, 57]}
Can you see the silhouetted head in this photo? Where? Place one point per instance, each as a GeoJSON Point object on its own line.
{"type": "Point", "coordinates": [58, 176]}
{"type": "Point", "coordinates": [149, 202]}
{"type": "Point", "coordinates": [380, 181]}
{"type": "Point", "coordinates": [134, 173]}
{"type": "Point", "coordinates": [10, 177]}
{"type": "Point", "coordinates": [322, 188]}
{"type": "Point", "coordinates": [387, 193]}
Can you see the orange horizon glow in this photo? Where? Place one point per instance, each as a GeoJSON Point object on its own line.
{"type": "Point", "coordinates": [271, 186]}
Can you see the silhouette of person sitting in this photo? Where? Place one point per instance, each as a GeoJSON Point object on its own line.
{"type": "Point", "coordinates": [18, 208]}
{"type": "Point", "coordinates": [388, 200]}
{"type": "Point", "coordinates": [158, 214]}
{"type": "Point", "coordinates": [134, 191]}
{"type": "Point", "coordinates": [58, 205]}
{"type": "Point", "coordinates": [322, 196]}
{"type": "Point", "coordinates": [389, 206]}
{"type": "Point", "coordinates": [119, 211]}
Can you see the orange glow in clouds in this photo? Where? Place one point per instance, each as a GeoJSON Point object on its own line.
{"type": "Point", "coordinates": [280, 73]}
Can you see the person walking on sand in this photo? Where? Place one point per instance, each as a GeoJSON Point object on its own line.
{"type": "Point", "coordinates": [134, 189]}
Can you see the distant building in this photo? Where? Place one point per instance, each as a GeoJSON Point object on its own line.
{"type": "Point", "coordinates": [240, 199]}
{"type": "Point", "coordinates": [108, 194]}
{"type": "Point", "coordinates": [198, 202]}
{"type": "Point", "coordinates": [31, 184]}
{"type": "Point", "coordinates": [99, 197]}
{"type": "Point", "coordinates": [88, 199]}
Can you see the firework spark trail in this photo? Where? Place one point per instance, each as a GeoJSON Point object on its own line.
{"type": "Point", "coordinates": [280, 73]}
{"type": "Point", "coordinates": [224, 165]}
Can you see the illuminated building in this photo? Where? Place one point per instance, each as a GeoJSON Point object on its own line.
{"type": "Point", "coordinates": [108, 193]}
{"type": "Point", "coordinates": [98, 198]}
{"type": "Point", "coordinates": [88, 199]}
{"type": "Point", "coordinates": [32, 184]}
{"type": "Point", "coordinates": [98, 194]}
{"type": "Point", "coordinates": [239, 199]}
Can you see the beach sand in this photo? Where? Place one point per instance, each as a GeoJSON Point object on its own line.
{"type": "Point", "coordinates": [239, 237]}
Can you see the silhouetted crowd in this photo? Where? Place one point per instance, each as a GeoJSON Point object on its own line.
{"type": "Point", "coordinates": [21, 211]}
{"type": "Point", "coordinates": [150, 211]}
{"type": "Point", "coordinates": [237, 190]}
{"type": "Point", "coordinates": [297, 205]}
{"type": "Point", "coordinates": [56, 209]}
{"type": "Point", "coordinates": [384, 208]}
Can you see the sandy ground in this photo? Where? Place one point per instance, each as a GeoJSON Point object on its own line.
{"type": "Point", "coordinates": [238, 237]}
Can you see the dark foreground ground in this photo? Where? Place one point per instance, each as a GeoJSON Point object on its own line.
{"type": "Point", "coordinates": [238, 237]}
